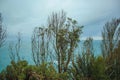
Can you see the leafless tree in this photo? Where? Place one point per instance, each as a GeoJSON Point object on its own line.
{"type": "Point", "coordinates": [15, 49]}
{"type": "Point", "coordinates": [40, 45]}
{"type": "Point", "coordinates": [2, 32]}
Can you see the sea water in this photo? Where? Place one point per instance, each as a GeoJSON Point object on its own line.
{"type": "Point", "coordinates": [26, 52]}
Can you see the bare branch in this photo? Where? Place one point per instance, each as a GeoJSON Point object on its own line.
{"type": "Point", "coordinates": [2, 33]}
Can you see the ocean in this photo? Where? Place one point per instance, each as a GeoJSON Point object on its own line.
{"type": "Point", "coordinates": [26, 52]}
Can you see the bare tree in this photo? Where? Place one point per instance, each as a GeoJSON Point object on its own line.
{"type": "Point", "coordinates": [15, 49]}
{"type": "Point", "coordinates": [40, 45]}
{"type": "Point", "coordinates": [2, 32]}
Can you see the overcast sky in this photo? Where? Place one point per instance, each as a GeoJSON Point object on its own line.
{"type": "Point", "coordinates": [23, 15]}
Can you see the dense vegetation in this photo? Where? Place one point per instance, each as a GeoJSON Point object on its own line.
{"type": "Point", "coordinates": [59, 42]}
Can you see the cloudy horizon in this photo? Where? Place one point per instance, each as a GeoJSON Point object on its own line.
{"type": "Point", "coordinates": [23, 15]}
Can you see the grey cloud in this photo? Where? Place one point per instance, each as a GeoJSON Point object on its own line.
{"type": "Point", "coordinates": [27, 14]}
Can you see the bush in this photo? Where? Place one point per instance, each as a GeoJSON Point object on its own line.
{"type": "Point", "coordinates": [22, 71]}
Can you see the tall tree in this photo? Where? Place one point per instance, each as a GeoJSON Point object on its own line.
{"type": "Point", "coordinates": [40, 45]}
{"type": "Point", "coordinates": [82, 68]}
{"type": "Point", "coordinates": [2, 32]}
{"type": "Point", "coordinates": [111, 37]}
{"type": "Point", "coordinates": [117, 62]}
{"type": "Point", "coordinates": [65, 36]}
{"type": "Point", "coordinates": [110, 45]}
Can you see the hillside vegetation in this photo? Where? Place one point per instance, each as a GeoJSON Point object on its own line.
{"type": "Point", "coordinates": [57, 42]}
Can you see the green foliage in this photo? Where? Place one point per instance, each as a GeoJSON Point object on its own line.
{"type": "Point", "coordinates": [109, 46]}
{"type": "Point", "coordinates": [2, 75]}
{"type": "Point", "coordinates": [110, 37]}
{"type": "Point", "coordinates": [82, 68]}
{"type": "Point", "coordinates": [16, 70]}
{"type": "Point", "coordinates": [64, 35]}
{"type": "Point", "coordinates": [94, 70]}
{"type": "Point", "coordinates": [87, 66]}
{"type": "Point", "coordinates": [22, 71]}
{"type": "Point", "coordinates": [98, 69]}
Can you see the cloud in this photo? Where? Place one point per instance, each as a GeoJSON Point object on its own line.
{"type": "Point", "coordinates": [22, 15]}
{"type": "Point", "coordinates": [94, 38]}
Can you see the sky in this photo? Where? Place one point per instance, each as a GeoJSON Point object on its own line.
{"type": "Point", "coordinates": [24, 15]}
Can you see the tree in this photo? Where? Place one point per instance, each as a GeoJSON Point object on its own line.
{"type": "Point", "coordinates": [65, 36]}
{"type": "Point", "coordinates": [116, 58]}
{"type": "Point", "coordinates": [40, 45]}
{"type": "Point", "coordinates": [58, 40]}
{"type": "Point", "coordinates": [82, 68]}
{"type": "Point", "coordinates": [15, 49]}
{"type": "Point", "coordinates": [2, 32]}
{"type": "Point", "coordinates": [98, 69]}
{"type": "Point", "coordinates": [110, 45]}
{"type": "Point", "coordinates": [88, 57]}
{"type": "Point", "coordinates": [87, 66]}
{"type": "Point", "coordinates": [111, 37]}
